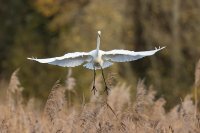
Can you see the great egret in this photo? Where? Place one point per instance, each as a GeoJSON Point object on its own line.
{"type": "Point", "coordinates": [96, 59]}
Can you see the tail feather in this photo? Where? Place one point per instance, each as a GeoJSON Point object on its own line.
{"type": "Point", "coordinates": [91, 65]}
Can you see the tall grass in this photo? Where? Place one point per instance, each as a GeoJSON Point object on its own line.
{"type": "Point", "coordinates": [102, 114]}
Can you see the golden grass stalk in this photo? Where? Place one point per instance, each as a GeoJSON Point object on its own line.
{"type": "Point", "coordinates": [197, 83]}
{"type": "Point", "coordinates": [14, 91]}
{"type": "Point", "coordinates": [54, 105]}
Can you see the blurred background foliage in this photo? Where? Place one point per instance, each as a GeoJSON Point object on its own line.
{"type": "Point", "coordinates": [48, 28]}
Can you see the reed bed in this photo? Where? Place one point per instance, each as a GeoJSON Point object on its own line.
{"type": "Point", "coordinates": [114, 113]}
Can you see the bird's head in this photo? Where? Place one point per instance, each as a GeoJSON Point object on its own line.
{"type": "Point", "coordinates": [99, 33]}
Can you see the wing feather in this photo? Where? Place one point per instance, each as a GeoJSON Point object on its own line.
{"type": "Point", "coordinates": [126, 55]}
{"type": "Point", "coordinates": [68, 60]}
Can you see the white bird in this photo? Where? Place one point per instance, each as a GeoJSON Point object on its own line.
{"type": "Point", "coordinates": [96, 59]}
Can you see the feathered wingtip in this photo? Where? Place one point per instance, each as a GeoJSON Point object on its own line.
{"type": "Point", "coordinates": [160, 48]}
{"type": "Point", "coordinates": [33, 58]}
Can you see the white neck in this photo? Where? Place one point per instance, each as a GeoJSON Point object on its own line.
{"type": "Point", "coordinates": [98, 42]}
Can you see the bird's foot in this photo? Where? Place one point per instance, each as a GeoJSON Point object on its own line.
{"type": "Point", "coordinates": [94, 89]}
{"type": "Point", "coordinates": [107, 89]}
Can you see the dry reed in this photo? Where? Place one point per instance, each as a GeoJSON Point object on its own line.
{"type": "Point", "coordinates": [102, 114]}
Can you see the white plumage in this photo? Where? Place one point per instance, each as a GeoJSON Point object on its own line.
{"type": "Point", "coordinates": [96, 58]}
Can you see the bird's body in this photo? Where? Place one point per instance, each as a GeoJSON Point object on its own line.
{"type": "Point", "coordinates": [96, 59]}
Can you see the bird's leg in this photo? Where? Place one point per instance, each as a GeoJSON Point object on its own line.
{"type": "Point", "coordinates": [106, 87]}
{"type": "Point", "coordinates": [94, 87]}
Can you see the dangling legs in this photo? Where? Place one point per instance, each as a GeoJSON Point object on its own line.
{"type": "Point", "coordinates": [106, 87]}
{"type": "Point", "coordinates": [94, 88]}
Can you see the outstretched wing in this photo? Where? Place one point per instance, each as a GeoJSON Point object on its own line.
{"type": "Point", "coordinates": [68, 60]}
{"type": "Point", "coordinates": [126, 55]}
